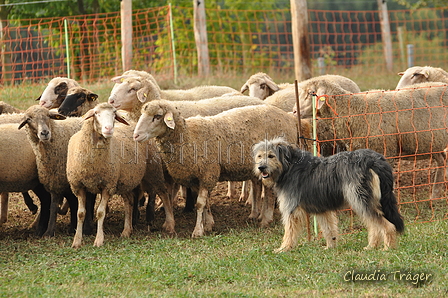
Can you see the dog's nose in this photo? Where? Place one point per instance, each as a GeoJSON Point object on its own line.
{"type": "Point", "coordinates": [262, 168]}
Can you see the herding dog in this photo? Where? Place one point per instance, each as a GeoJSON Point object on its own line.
{"type": "Point", "coordinates": [361, 179]}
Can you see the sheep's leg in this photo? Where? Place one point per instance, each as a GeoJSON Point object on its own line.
{"type": "Point", "coordinates": [231, 190]}
{"type": "Point", "coordinates": [440, 176]}
{"type": "Point", "coordinates": [72, 201]}
{"type": "Point", "coordinates": [63, 209]}
{"type": "Point", "coordinates": [267, 208]}
{"type": "Point", "coordinates": [3, 207]}
{"type": "Point", "coordinates": [128, 200]}
{"type": "Point", "coordinates": [256, 195]}
{"type": "Point", "coordinates": [200, 205]}
{"type": "Point", "coordinates": [81, 216]}
{"type": "Point", "coordinates": [101, 214]}
{"type": "Point", "coordinates": [29, 202]}
{"type": "Point", "coordinates": [44, 214]}
{"type": "Point", "coordinates": [169, 223]}
{"type": "Point", "coordinates": [245, 191]}
{"type": "Point", "coordinates": [55, 200]}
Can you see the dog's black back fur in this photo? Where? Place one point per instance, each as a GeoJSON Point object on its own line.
{"type": "Point", "coordinates": [317, 182]}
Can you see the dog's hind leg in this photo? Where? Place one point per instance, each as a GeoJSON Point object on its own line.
{"type": "Point", "coordinates": [256, 198]}
{"type": "Point", "coordinates": [328, 222]}
{"type": "Point", "coordinates": [293, 224]}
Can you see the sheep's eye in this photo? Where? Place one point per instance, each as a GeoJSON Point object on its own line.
{"type": "Point", "coordinates": [271, 155]}
{"type": "Point", "coordinates": [131, 90]}
{"type": "Point", "coordinates": [157, 117]}
{"type": "Point", "coordinates": [263, 86]}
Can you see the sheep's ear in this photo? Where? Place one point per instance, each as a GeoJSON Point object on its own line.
{"type": "Point", "coordinates": [272, 86]}
{"type": "Point", "coordinates": [321, 101]}
{"type": "Point", "coordinates": [23, 123]}
{"type": "Point", "coordinates": [149, 90]}
{"type": "Point", "coordinates": [56, 116]}
{"type": "Point", "coordinates": [92, 96]}
{"type": "Point", "coordinates": [119, 79]}
{"type": "Point", "coordinates": [244, 88]}
{"type": "Point", "coordinates": [120, 119]}
{"type": "Point", "coordinates": [400, 73]}
{"type": "Point", "coordinates": [88, 115]}
{"type": "Point", "coordinates": [169, 120]}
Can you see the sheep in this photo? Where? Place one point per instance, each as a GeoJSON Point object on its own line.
{"type": "Point", "coordinates": [49, 140]}
{"type": "Point", "coordinates": [409, 122]}
{"type": "Point", "coordinates": [77, 102]}
{"type": "Point", "coordinates": [6, 108]}
{"type": "Point", "coordinates": [145, 88]}
{"type": "Point", "coordinates": [197, 150]}
{"type": "Point", "coordinates": [55, 92]}
{"type": "Point", "coordinates": [286, 99]}
{"type": "Point", "coordinates": [18, 172]}
{"type": "Point", "coordinates": [261, 85]}
{"type": "Point", "coordinates": [419, 74]}
{"type": "Point", "coordinates": [104, 159]}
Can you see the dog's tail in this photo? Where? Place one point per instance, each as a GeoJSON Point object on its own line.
{"type": "Point", "coordinates": [388, 200]}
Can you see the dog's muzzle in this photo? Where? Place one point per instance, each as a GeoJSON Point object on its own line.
{"type": "Point", "coordinates": [262, 169]}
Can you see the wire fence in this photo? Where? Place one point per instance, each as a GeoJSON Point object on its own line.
{"type": "Point", "coordinates": [89, 47]}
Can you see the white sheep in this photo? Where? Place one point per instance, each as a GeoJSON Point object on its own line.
{"type": "Point", "coordinates": [55, 92]}
{"type": "Point", "coordinates": [200, 151]}
{"type": "Point", "coordinates": [261, 85]}
{"type": "Point", "coordinates": [104, 159]}
{"type": "Point", "coordinates": [49, 140]}
{"type": "Point", "coordinates": [6, 108]}
{"type": "Point", "coordinates": [409, 122]}
{"type": "Point", "coordinates": [18, 172]}
{"type": "Point", "coordinates": [421, 74]}
{"type": "Point", "coordinates": [145, 88]}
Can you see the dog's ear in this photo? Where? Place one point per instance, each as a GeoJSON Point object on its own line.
{"type": "Point", "coordinates": [284, 153]}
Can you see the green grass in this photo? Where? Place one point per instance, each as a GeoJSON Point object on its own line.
{"type": "Point", "coordinates": [237, 263]}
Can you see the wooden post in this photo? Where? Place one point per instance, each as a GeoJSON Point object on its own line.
{"type": "Point", "coordinates": [385, 33]}
{"type": "Point", "coordinates": [300, 39]}
{"type": "Point", "coordinates": [126, 34]}
{"type": "Point", "coordinates": [200, 36]}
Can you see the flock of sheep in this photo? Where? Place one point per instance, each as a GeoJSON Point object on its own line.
{"type": "Point", "coordinates": [154, 141]}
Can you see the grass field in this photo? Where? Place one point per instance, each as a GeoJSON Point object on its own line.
{"type": "Point", "coordinates": [236, 260]}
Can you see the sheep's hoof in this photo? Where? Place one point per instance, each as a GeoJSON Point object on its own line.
{"type": "Point", "coordinates": [197, 233]}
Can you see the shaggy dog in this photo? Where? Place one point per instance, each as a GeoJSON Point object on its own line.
{"type": "Point", "coordinates": [361, 179]}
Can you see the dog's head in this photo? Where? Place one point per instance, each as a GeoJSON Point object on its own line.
{"type": "Point", "coordinates": [270, 158]}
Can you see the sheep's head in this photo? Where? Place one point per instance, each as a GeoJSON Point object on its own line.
{"type": "Point", "coordinates": [104, 116]}
{"type": "Point", "coordinates": [37, 119]}
{"type": "Point", "coordinates": [55, 92]}
{"type": "Point", "coordinates": [75, 98]}
{"type": "Point", "coordinates": [132, 91]}
{"type": "Point", "coordinates": [157, 117]}
{"type": "Point", "coordinates": [260, 85]}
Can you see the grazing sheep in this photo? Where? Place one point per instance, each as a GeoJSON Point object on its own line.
{"type": "Point", "coordinates": [55, 92]}
{"type": "Point", "coordinates": [410, 122]}
{"type": "Point", "coordinates": [200, 151]}
{"type": "Point", "coordinates": [78, 102]}
{"type": "Point", "coordinates": [6, 108]}
{"type": "Point", "coordinates": [145, 88]}
{"type": "Point", "coordinates": [18, 172]}
{"type": "Point", "coordinates": [49, 140]}
{"type": "Point", "coordinates": [419, 74]}
{"type": "Point", "coordinates": [261, 85]}
{"type": "Point", "coordinates": [104, 159]}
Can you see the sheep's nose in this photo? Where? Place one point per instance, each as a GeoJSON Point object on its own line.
{"type": "Point", "coordinates": [111, 100]}
{"type": "Point", "coordinates": [45, 133]}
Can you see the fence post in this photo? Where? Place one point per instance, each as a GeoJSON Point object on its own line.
{"type": "Point", "coordinates": [126, 34]}
{"type": "Point", "coordinates": [410, 49]}
{"type": "Point", "coordinates": [300, 39]}
{"type": "Point", "coordinates": [173, 44]}
{"type": "Point", "coordinates": [67, 47]}
{"type": "Point", "coordinates": [200, 35]}
{"type": "Point", "coordinates": [385, 33]}
{"type": "Point", "coordinates": [321, 65]}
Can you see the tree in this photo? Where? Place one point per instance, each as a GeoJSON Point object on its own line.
{"type": "Point", "coordinates": [423, 3]}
